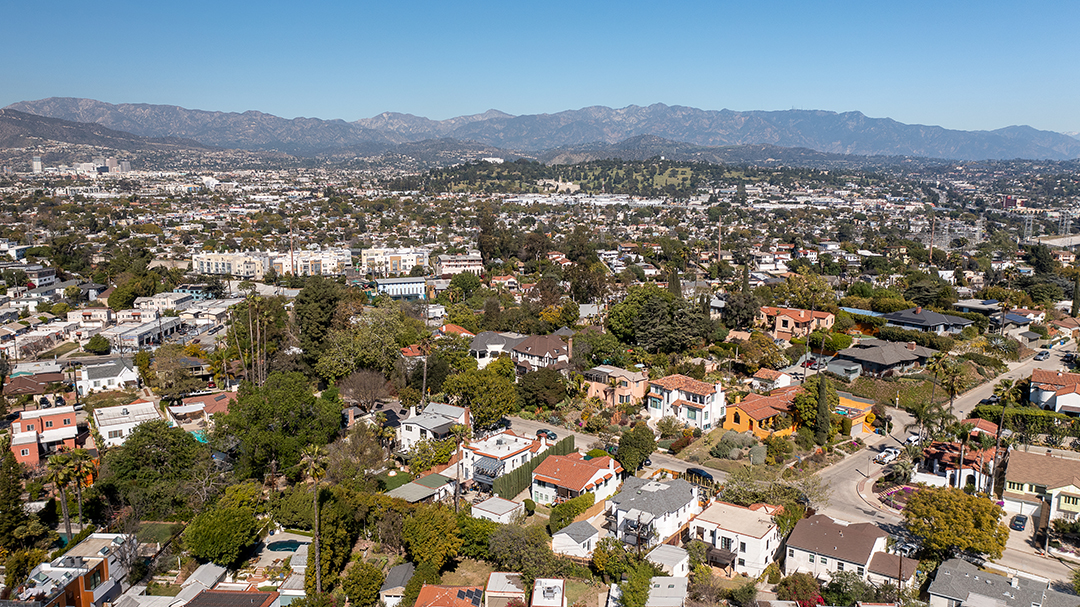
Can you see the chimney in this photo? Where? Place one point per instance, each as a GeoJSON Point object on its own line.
{"type": "Point", "coordinates": [911, 345]}
{"type": "Point", "coordinates": [918, 309]}
{"type": "Point", "coordinates": [412, 410]}
{"type": "Point", "coordinates": [570, 348]}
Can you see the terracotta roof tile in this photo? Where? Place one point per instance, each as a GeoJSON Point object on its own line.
{"type": "Point", "coordinates": [684, 383]}
{"type": "Point", "coordinates": [570, 472]}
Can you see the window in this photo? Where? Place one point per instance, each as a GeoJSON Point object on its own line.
{"type": "Point", "coordinates": [116, 433]}
{"type": "Point", "coordinates": [725, 543]}
{"type": "Point", "coordinates": [48, 423]}
{"type": "Point", "coordinates": [742, 562]}
{"type": "Point", "coordinates": [25, 452]}
{"type": "Point", "coordinates": [1070, 500]}
{"type": "Point", "coordinates": [1016, 486]}
{"type": "Point", "coordinates": [736, 418]}
{"type": "Point", "coordinates": [29, 427]}
{"type": "Point", "coordinates": [742, 546]}
{"type": "Point", "coordinates": [860, 571]}
{"type": "Point", "coordinates": [839, 565]}
{"type": "Point", "coordinates": [706, 415]}
{"type": "Point", "coordinates": [811, 558]}
{"type": "Point", "coordinates": [67, 421]}
{"type": "Point", "coordinates": [691, 414]}
{"type": "Point", "coordinates": [824, 561]}
{"type": "Point", "coordinates": [791, 553]}
{"type": "Point", "coordinates": [654, 403]}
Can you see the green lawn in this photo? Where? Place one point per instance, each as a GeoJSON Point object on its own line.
{"type": "Point", "coordinates": [155, 533]}
{"type": "Point", "coordinates": [393, 482]}
{"type": "Point", "coordinates": [158, 589]}
{"type": "Point", "coordinates": [60, 350]}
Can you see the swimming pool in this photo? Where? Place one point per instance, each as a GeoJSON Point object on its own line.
{"type": "Point", "coordinates": [284, 546]}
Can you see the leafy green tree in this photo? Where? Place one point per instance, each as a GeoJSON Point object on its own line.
{"type": "Point", "coordinates": [221, 535]}
{"type": "Point", "coordinates": [565, 513]}
{"type": "Point", "coordinates": [622, 319]}
{"type": "Point", "coordinates": [823, 420]}
{"type": "Point", "coordinates": [171, 375]}
{"type": "Point", "coordinates": [98, 345]}
{"type": "Point", "coordinates": [315, 307]}
{"type": "Point", "coordinates": [362, 584]}
{"type": "Point", "coordinates": [425, 573]}
{"type": "Point", "coordinates": [275, 421]}
{"type": "Point", "coordinates": [635, 446]}
{"type": "Point", "coordinates": [523, 549]}
{"type": "Point", "coordinates": [799, 587]}
{"type": "Point", "coordinates": [488, 394]}
{"type": "Point", "coordinates": [467, 282]}
{"type": "Point", "coordinates": [475, 535]}
{"type": "Point", "coordinates": [20, 563]}
{"type": "Point", "coordinates": [542, 388]}
{"type": "Point", "coordinates": [12, 509]}
{"type": "Point", "coordinates": [948, 521]}
{"type": "Point", "coordinates": [371, 343]}
{"type": "Point", "coordinates": [431, 534]}
{"type": "Point", "coordinates": [806, 403]}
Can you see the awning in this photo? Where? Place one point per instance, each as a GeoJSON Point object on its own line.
{"type": "Point", "coordinates": [720, 556]}
{"type": "Point", "coordinates": [185, 409]}
{"type": "Point", "coordinates": [489, 466]}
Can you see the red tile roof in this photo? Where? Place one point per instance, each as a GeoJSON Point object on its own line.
{"type": "Point", "coordinates": [445, 596]}
{"type": "Point", "coordinates": [572, 472]}
{"type": "Point", "coordinates": [684, 383]}
{"type": "Point", "coordinates": [795, 313]}
{"type": "Point", "coordinates": [767, 374]}
{"type": "Point", "coordinates": [1055, 379]}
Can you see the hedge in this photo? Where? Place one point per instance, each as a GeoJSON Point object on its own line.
{"type": "Point", "coordinates": [565, 513]}
{"type": "Point", "coordinates": [1029, 419]}
{"type": "Point", "coordinates": [984, 360]}
{"type": "Point", "coordinates": [512, 483]}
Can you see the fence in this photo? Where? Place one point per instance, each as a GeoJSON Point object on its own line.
{"type": "Point", "coordinates": [512, 483]}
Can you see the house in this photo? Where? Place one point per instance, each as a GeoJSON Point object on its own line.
{"type": "Point", "coordinates": [393, 587]}
{"type": "Point", "coordinates": [450, 265]}
{"type": "Point", "coordinates": [432, 595]}
{"type": "Point", "coordinates": [235, 598]}
{"type": "Point", "coordinates": [113, 375]}
{"type": "Point", "coordinates": [941, 466]}
{"type": "Point", "coordinates": [205, 577]}
{"type": "Point", "coordinates": [576, 539]}
{"type": "Point", "coordinates": [820, 546]}
{"type": "Point", "coordinates": [879, 358]}
{"type": "Point", "coordinates": [452, 329]}
{"type": "Point", "coordinates": [958, 583]}
{"type": "Point", "coordinates": [485, 460]}
{"type": "Point", "coordinates": [696, 404]}
{"type": "Point", "coordinates": [34, 385]}
{"type": "Point", "coordinates": [667, 591]}
{"type": "Point", "coordinates": [37, 434]}
{"type": "Point", "coordinates": [424, 490]}
{"type": "Point", "coordinates": [508, 282]}
{"type": "Point", "coordinates": [498, 509]}
{"type": "Point", "coordinates": [927, 321]}
{"type": "Point", "coordinates": [91, 318]}
{"type": "Point", "coordinates": [539, 351]}
{"type": "Point", "coordinates": [646, 512]}
{"type": "Point", "coordinates": [549, 592]}
{"type": "Point", "coordinates": [502, 587]}
{"type": "Point", "coordinates": [614, 385]}
{"type": "Point", "coordinates": [435, 423]}
{"type": "Point", "coordinates": [1034, 481]}
{"type": "Point", "coordinates": [90, 574]}
{"type": "Point", "coordinates": [198, 411]}
{"type": "Point", "coordinates": [740, 539]}
{"type": "Point", "coordinates": [885, 568]}
{"type": "Point", "coordinates": [562, 477]}
{"type": "Point", "coordinates": [764, 415]}
{"type": "Point", "coordinates": [489, 345]}
{"type": "Point", "coordinates": [788, 323]}
{"type": "Point", "coordinates": [768, 380]}
{"type": "Point", "coordinates": [672, 560]}
{"type": "Point", "coordinates": [1055, 390]}
{"type": "Point", "coordinates": [856, 409]}
{"type": "Point", "coordinates": [117, 423]}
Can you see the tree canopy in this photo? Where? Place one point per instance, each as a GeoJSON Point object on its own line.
{"type": "Point", "coordinates": [949, 521]}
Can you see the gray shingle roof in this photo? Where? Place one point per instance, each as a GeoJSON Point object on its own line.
{"type": "Point", "coordinates": [398, 577]}
{"type": "Point", "coordinates": [925, 318]}
{"type": "Point", "coordinates": [959, 580]}
{"type": "Point", "coordinates": [820, 534]}
{"type": "Point", "coordinates": [579, 531]}
{"type": "Point", "coordinates": [653, 497]}
{"type": "Point", "coordinates": [109, 369]}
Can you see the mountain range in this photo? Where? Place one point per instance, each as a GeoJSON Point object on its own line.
{"type": "Point", "coordinates": [589, 131]}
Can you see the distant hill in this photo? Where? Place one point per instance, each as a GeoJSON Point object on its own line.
{"type": "Point", "coordinates": [820, 131]}
{"type": "Point", "coordinates": [19, 129]}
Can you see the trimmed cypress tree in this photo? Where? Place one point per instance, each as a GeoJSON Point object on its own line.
{"type": "Point", "coordinates": [824, 416]}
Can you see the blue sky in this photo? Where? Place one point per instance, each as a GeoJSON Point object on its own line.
{"type": "Point", "coordinates": [958, 64]}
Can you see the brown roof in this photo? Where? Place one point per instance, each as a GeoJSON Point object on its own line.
{"type": "Point", "coordinates": [889, 565]}
{"type": "Point", "coordinates": [769, 374]}
{"type": "Point", "coordinates": [1040, 469]}
{"type": "Point", "coordinates": [1056, 379]}
{"type": "Point", "coordinates": [212, 403]}
{"type": "Point", "coordinates": [949, 454]}
{"type": "Point", "coordinates": [820, 534]}
{"type": "Point", "coordinates": [684, 383]}
{"type": "Point", "coordinates": [231, 598]}
{"type": "Point", "coordinates": [572, 472]}
{"type": "Point", "coordinates": [448, 596]}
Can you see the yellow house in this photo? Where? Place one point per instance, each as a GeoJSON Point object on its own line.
{"type": "Point", "coordinates": [858, 410]}
{"type": "Point", "coordinates": [764, 416]}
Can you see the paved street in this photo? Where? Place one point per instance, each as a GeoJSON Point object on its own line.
{"type": "Point", "coordinates": [966, 402]}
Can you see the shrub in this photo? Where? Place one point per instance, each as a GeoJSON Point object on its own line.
{"type": "Point", "coordinates": [778, 448]}
{"type": "Point", "coordinates": [681, 444]}
{"type": "Point", "coordinates": [757, 454]}
{"type": "Point", "coordinates": [804, 438]}
{"type": "Point", "coordinates": [565, 513]}
{"type": "Point", "coordinates": [845, 426]}
{"type": "Point", "coordinates": [984, 360]}
{"type": "Point", "coordinates": [735, 453]}
{"type": "Point", "coordinates": [530, 507]}
{"type": "Point", "coordinates": [596, 453]}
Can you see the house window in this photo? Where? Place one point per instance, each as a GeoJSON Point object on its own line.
{"type": "Point", "coordinates": [654, 403]}
{"type": "Point", "coordinates": [824, 561]}
{"type": "Point", "coordinates": [1070, 500]}
{"type": "Point", "coordinates": [67, 421]}
{"type": "Point", "coordinates": [725, 543]}
{"type": "Point", "coordinates": [29, 427]}
{"type": "Point", "coordinates": [736, 418]}
{"type": "Point", "coordinates": [116, 433]}
{"type": "Point", "coordinates": [860, 571]}
{"type": "Point", "coordinates": [742, 546]}
{"type": "Point", "coordinates": [25, 452]}
{"type": "Point", "coordinates": [691, 414]}
{"type": "Point", "coordinates": [1016, 486]}
{"type": "Point", "coordinates": [742, 562]}
{"type": "Point", "coordinates": [706, 415]}
{"type": "Point", "coordinates": [811, 558]}
{"type": "Point", "coordinates": [48, 423]}
{"type": "Point", "coordinates": [791, 553]}
{"type": "Point", "coordinates": [839, 565]}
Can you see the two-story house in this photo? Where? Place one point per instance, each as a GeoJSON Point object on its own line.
{"type": "Point", "coordinates": [113, 375]}
{"type": "Point", "coordinates": [788, 323]}
{"type": "Point", "coordinates": [1034, 481]}
{"type": "Point", "coordinates": [434, 423]}
{"type": "Point", "coordinates": [820, 546]}
{"type": "Point", "coordinates": [38, 434]}
{"type": "Point", "coordinates": [540, 351]}
{"type": "Point", "coordinates": [117, 423]}
{"type": "Point", "coordinates": [489, 345]}
{"type": "Point", "coordinates": [487, 459]}
{"type": "Point", "coordinates": [740, 539]}
{"type": "Point", "coordinates": [616, 386]}
{"type": "Point", "coordinates": [562, 477]}
{"type": "Point", "coordinates": [88, 575]}
{"type": "Point", "coordinates": [647, 512]}
{"type": "Point", "coordinates": [1055, 390]}
{"type": "Point", "coordinates": [695, 403]}
{"type": "Point", "coordinates": [91, 318]}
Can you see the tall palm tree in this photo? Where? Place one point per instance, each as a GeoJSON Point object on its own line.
{"type": "Point", "coordinates": [313, 458]}
{"type": "Point", "coordinates": [925, 414]}
{"type": "Point", "coordinates": [81, 466]}
{"type": "Point", "coordinates": [951, 376]}
{"type": "Point", "coordinates": [460, 433]}
{"type": "Point", "coordinates": [934, 366]}
{"type": "Point", "coordinates": [59, 474]}
{"type": "Point", "coordinates": [963, 435]}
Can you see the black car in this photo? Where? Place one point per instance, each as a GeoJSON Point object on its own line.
{"type": "Point", "coordinates": [551, 436]}
{"type": "Point", "coordinates": [1018, 523]}
{"type": "Point", "coordinates": [699, 473]}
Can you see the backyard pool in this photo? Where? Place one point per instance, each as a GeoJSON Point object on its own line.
{"type": "Point", "coordinates": [284, 546]}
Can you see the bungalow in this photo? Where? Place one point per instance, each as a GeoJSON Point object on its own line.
{"type": "Point", "coordinates": [927, 321]}
{"type": "Point", "coordinates": [696, 404]}
{"type": "Point", "coordinates": [820, 546]}
{"type": "Point", "coordinates": [740, 539]}
{"type": "Point", "coordinates": [562, 477]}
{"type": "Point", "coordinates": [449, 596]}
{"type": "Point", "coordinates": [941, 466]}
{"type": "Point", "coordinates": [647, 512]}
{"type": "Point", "coordinates": [614, 385]}
{"type": "Point", "coordinates": [498, 510]}
{"type": "Point", "coordinates": [958, 582]}
{"type": "Point", "coordinates": [788, 323]}
{"type": "Point", "coordinates": [393, 587]}
{"type": "Point", "coordinates": [1033, 481]}
{"type": "Point", "coordinates": [113, 375]}
{"type": "Point", "coordinates": [577, 540]}
{"type": "Point", "coordinates": [434, 423]}
{"type": "Point", "coordinates": [765, 416]}
{"type": "Point", "coordinates": [879, 358]}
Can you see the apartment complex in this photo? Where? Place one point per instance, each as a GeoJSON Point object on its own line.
{"type": "Point", "coordinates": [387, 262]}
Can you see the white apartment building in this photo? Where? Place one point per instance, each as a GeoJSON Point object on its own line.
{"type": "Point", "coordinates": [165, 301]}
{"type": "Point", "coordinates": [252, 265]}
{"type": "Point", "coordinates": [117, 423]}
{"type": "Point", "coordinates": [312, 262]}
{"type": "Point", "coordinates": [695, 403]}
{"type": "Point", "coordinates": [91, 318]}
{"type": "Point", "coordinates": [743, 539]}
{"type": "Point", "coordinates": [647, 512]}
{"type": "Point", "coordinates": [449, 265]}
{"type": "Point", "coordinates": [387, 262]}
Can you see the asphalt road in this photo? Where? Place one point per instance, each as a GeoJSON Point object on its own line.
{"type": "Point", "coordinates": [524, 427]}
{"type": "Point", "coordinates": [966, 402]}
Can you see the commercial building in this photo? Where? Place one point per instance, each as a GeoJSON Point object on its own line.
{"type": "Point", "coordinates": [389, 262]}
{"type": "Point", "coordinates": [252, 265]}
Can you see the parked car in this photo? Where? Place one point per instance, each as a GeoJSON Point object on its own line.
{"type": "Point", "coordinates": [698, 472]}
{"type": "Point", "coordinates": [60, 402]}
{"type": "Point", "coordinates": [1045, 354]}
{"type": "Point", "coordinates": [1018, 523]}
{"type": "Point", "coordinates": [914, 439]}
{"type": "Point", "coordinates": [551, 436]}
{"type": "Point", "coordinates": [888, 456]}
{"type": "Point", "coordinates": [808, 363]}
{"type": "Point", "coordinates": [993, 399]}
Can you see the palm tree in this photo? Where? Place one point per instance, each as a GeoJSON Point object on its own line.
{"type": "Point", "coordinates": [460, 433]}
{"type": "Point", "coordinates": [59, 474]}
{"type": "Point", "coordinates": [934, 366]}
{"type": "Point", "coordinates": [952, 379]}
{"type": "Point", "coordinates": [313, 460]}
{"type": "Point", "coordinates": [81, 466]}
{"type": "Point", "coordinates": [925, 414]}
{"type": "Point", "coordinates": [963, 435]}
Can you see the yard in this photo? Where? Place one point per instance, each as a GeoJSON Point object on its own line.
{"type": "Point", "coordinates": [60, 350]}
{"type": "Point", "coordinates": [107, 399]}
{"type": "Point", "coordinates": [157, 533]}
{"type": "Point", "coordinates": [389, 483]}
{"type": "Point", "coordinates": [469, 572]}
{"type": "Point", "coordinates": [585, 592]}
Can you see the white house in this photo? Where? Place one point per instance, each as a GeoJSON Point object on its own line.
{"type": "Point", "coordinates": [562, 477]}
{"type": "Point", "coordinates": [696, 403]}
{"type": "Point", "coordinates": [113, 375]}
{"type": "Point", "coordinates": [746, 540]}
{"type": "Point", "coordinates": [768, 380]}
{"type": "Point", "coordinates": [577, 539]}
{"type": "Point", "coordinates": [673, 560]}
{"type": "Point", "coordinates": [487, 459]}
{"type": "Point", "coordinates": [646, 512]}
{"type": "Point", "coordinates": [498, 509]}
{"type": "Point", "coordinates": [117, 423]}
{"type": "Point", "coordinates": [434, 423]}
{"type": "Point", "coordinates": [821, 546]}
{"type": "Point", "coordinates": [1055, 389]}
{"type": "Point", "coordinates": [489, 345]}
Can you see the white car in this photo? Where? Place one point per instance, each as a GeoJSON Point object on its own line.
{"type": "Point", "coordinates": [914, 439]}
{"type": "Point", "coordinates": [888, 456]}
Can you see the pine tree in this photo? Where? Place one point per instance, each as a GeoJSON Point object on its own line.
{"type": "Point", "coordinates": [824, 416]}
{"type": "Point", "coordinates": [12, 513]}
